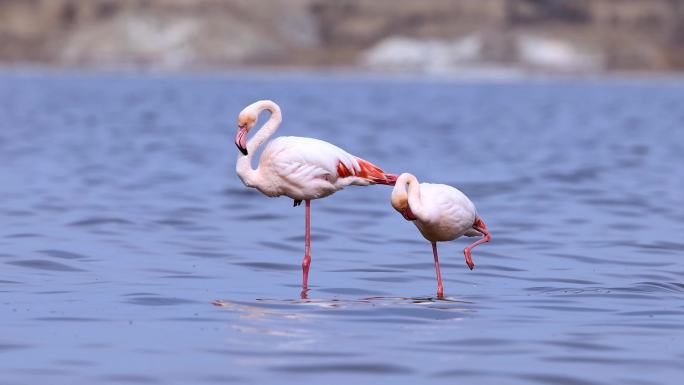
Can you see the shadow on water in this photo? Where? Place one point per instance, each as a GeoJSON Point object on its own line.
{"type": "Point", "coordinates": [397, 310]}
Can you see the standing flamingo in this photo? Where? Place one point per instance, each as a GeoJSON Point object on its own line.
{"type": "Point", "coordinates": [441, 213]}
{"type": "Point", "coordinates": [300, 168]}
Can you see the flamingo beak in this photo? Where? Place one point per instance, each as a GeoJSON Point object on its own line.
{"type": "Point", "coordinates": [408, 214]}
{"type": "Point", "coordinates": [241, 139]}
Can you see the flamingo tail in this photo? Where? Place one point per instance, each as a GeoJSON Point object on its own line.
{"type": "Point", "coordinates": [368, 171]}
{"type": "Point", "coordinates": [390, 179]}
{"type": "Point", "coordinates": [480, 226]}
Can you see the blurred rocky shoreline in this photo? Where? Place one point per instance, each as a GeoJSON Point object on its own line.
{"type": "Point", "coordinates": [430, 36]}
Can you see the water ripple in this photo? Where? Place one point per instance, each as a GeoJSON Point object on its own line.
{"type": "Point", "coordinates": [123, 219]}
{"type": "Point", "coordinates": [42, 264]}
{"type": "Point", "coordinates": [372, 368]}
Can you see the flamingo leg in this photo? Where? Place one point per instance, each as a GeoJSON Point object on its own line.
{"type": "Point", "coordinates": [440, 288]}
{"type": "Point", "coordinates": [306, 262]}
{"type": "Point", "coordinates": [466, 251]}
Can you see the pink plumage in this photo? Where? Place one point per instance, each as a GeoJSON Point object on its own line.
{"type": "Point", "coordinates": [441, 213]}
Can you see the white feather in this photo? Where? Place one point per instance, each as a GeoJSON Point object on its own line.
{"type": "Point", "coordinates": [300, 168]}
{"type": "Point", "coordinates": [450, 214]}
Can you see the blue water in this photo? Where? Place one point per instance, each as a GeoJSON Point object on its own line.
{"type": "Point", "coordinates": [131, 253]}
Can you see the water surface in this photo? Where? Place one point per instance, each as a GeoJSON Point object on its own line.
{"type": "Point", "coordinates": [131, 253]}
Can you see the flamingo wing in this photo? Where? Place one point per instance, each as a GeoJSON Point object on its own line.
{"type": "Point", "coordinates": [449, 205]}
{"type": "Point", "coordinates": [300, 160]}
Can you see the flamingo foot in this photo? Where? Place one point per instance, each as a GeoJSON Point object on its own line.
{"type": "Point", "coordinates": [468, 258]}
{"type": "Point", "coordinates": [440, 292]}
{"type": "Point", "coordinates": [480, 226]}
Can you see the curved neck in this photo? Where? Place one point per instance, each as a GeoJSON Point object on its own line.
{"type": "Point", "coordinates": [399, 194]}
{"type": "Point", "coordinates": [269, 128]}
{"type": "Point", "coordinates": [244, 163]}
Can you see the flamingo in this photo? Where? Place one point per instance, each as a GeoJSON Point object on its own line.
{"type": "Point", "coordinates": [441, 213]}
{"type": "Point", "coordinates": [300, 168]}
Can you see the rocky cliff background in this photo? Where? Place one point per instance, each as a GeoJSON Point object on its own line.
{"type": "Point", "coordinates": [387, 35]}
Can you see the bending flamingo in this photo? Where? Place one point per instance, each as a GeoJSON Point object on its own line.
{"type": "Point", "coordinates": [300, 168]}
{"type": "Point", "coordinates": [441, 213]}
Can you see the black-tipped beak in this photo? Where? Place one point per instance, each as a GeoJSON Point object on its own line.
{"type": "Point", "coordinates": [241, 140]}
{"type": "Point", "coordinates": [242, 150]}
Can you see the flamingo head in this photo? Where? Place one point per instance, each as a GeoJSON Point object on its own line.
{"type": "Point", "coordinates": [400, 196]}
{"type": "Point", "coordinates": [246, 120]}
{"type": "Point", "coordinates": [400, 203]}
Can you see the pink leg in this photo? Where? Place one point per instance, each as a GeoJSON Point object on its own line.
{"type": "Point", "coordinates": [440, 288]}
{"type": "Point", "coordinates": [306, 262]}
{"type": "Point", "coordinates": [479, 226]}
